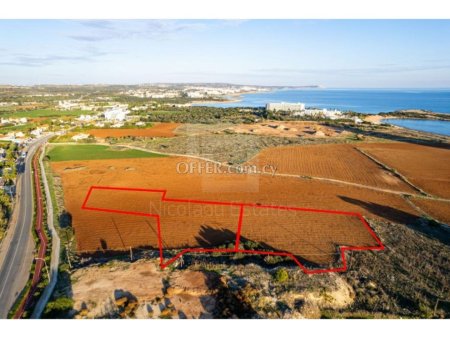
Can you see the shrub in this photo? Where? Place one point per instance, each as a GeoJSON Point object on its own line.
{"type": "Point", "coordinates": [250, 245]}
{"type": "Point", "coordinates": [281, 275]}
{"type": "Point", "coordinates": [269, 259]}
{"type": "Point", "coordinates": [58, 307]}
{"type": "Point", "coordinates": [425, 311]}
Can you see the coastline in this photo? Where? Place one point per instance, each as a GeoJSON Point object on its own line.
{"type": "Point", "coordinates": [377, 101]}
{"type": "Point", "coordinates": [233, 98]}
{"type": "Point", "coordinates": [434, 132]}
{"type": "Point", "coordinates": [197, 102]}
{"type": "Point", "coordinates": [375, 119]}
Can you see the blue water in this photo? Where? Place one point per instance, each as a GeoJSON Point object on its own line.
{"type": "Point", "coordinates": [369, 101]}
{"type": "Point", "coordinates": [431, 126]}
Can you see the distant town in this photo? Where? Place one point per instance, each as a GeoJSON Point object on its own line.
{"type": "Point", "coordinates": [119, 106]}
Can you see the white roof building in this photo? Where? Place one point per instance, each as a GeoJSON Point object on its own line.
{"type": "Point", "coordinates": [67, 105]}
{"type": "Point", "coordinates": [86, 118]}
{"type": "Point", "coordinates": [36, 132]}
{"type": "Point", "coordinates": [81, 136]}
{"type": "Point", "coordinates": [117, 125]}
{"type": "Point", "coordinates": [316, 112]}
{"type": "Point", "coordinates": [116, 114]}
{"type": "Point", "coordinates": [285, 106]}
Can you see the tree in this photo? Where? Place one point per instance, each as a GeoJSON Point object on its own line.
{"type": "Point", "coordinates": [59, 307]}
{"type": "Point", "coordinates": [4, 200]}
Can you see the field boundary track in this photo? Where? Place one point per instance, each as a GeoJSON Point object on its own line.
{"type": "Point", "coordinates": [164, 263]}
{"type": "Point", "coordinates": [392, 170]}
{"type": "Point", "coordinates": [318, 178]}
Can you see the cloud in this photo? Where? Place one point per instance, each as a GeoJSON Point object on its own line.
{"type": "Point", "coordinates": [384, 68]}
{"type": "Point", "coordinates": [232, 22]}
{"type": "Point", "coordinates": [30, 60]}
{"type": "Point", "coordinates": [101, 30]}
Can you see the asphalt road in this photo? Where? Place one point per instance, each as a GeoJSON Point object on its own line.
{"type": "Point", "coordinates": [18, 248]}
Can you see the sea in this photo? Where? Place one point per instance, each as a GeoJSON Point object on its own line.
{"type": "Point", "coordinates": [369, 101]}
{"type": "Point", "coordinates": [430, 126]}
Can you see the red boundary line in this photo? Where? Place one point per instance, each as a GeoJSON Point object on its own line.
{"type": "Point", "coordinates": [163, 264]}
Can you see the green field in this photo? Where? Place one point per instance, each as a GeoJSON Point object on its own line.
{"type": "Point", "coordinates": [45, 113]}
{"type": "Point", "coordinates": [94, 152]}
{"type": "Point", "coordinates": [23, 128]}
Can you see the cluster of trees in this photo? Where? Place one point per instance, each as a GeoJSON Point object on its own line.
{"type": "Point", "coordinates": [208, 115]}
{"type": "Point", "coordinates": [8, 168]}
{"type": "Point", "coordinates": [203, 114]}
{"type": "Point", "coordinates": [5, 205]}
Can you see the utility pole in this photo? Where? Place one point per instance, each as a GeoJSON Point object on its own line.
{"type": "Point", "coordinates": [181, 261]}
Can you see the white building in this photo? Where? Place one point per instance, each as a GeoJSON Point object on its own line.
{"type": "Point", "coordinates": [323, 113]}
{"type": "Point", "coordinates": [85, 118]}
{"type": "Point", "coordinates": [298, 109]}
{"type": "Point", "coordinates": [68, 105]}
{"type": "Point", "coordinates": [116, 114]}
{"type": "Point", "coordinates": [36, 132]}
{"type": "Point", "coordinates": [5, 104]}
{"type": "Point", "coordinates": [285, 106]}
{"type": "Point", "coordinates": [333, 114]}
{"type": "Point", "coordinates": [88, 107]}
{"type": "Point", "coordinates": [144, 107]}
{"type": "Point", "coordinates": [80, 137]}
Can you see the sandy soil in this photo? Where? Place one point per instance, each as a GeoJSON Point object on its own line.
{"type": "Point", "coordinates": [336, 161]}
{"type": "Point", "coordinates": [425, 166]}
{"type": "Point", "coordinates": [308, 235]}
{"type": "Point", "coordinates": [288, 129]}
{"type": "Point", "coordinates": [97, 230]}
{"type": "Point", "coordinates": [97, 291]}
{"type": "Point", "coordinates": [158, 130]}
{"type": "Point", "coordinates": [103, 292]}
{"type": "Point", "coordinates": [375, 119]}
{"type": "Point", "coordinates": [439, 210]}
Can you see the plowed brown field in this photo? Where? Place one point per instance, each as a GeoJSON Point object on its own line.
{"type": "Point", "coordinates": [320, 234]}
{"type": "Point", "coordinates": [439, 210]}
{"type": "Point", "coordinates": [309, 235]}
{"type": "Point", "coordinates": [425, 166]}
{"type": "Point", "coordinates": [333, 161]}
{"type": "Point", "coordinates": [184, 225]}
{"type": "Point", "coordinates": [158, 130]}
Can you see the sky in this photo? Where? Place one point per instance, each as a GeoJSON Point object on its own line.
{"type": "Point", "coordinates": [330, 53]}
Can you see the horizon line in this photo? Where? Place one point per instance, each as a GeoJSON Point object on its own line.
{"type": "Point", "coordinates": [315, 86]}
